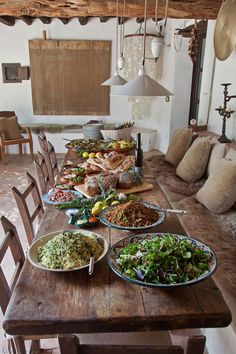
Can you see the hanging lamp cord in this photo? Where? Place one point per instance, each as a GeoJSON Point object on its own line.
{"type": "Point", "coordinates": [156, 6]}
{"type": "Point", "coordinates": [117, 23]}
{"type": "Point", "coordinates": [144, 35]}
{"type": "Point", "coordinates": [122, 31]}
{"type": "Point", "coordinates": [166, 13]}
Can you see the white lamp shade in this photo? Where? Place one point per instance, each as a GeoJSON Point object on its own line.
{"type": "Point", "coordinates": [157, 46]}
{"type": "Point", "coordinates": [142, 85]}
{"type": "Point", "coordinates": [114, 80]}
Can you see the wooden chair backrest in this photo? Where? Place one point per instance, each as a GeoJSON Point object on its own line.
{"type": "Point", "coordinates": [53, 159]}
{"type": "Point", "coordinates": [70, 344]}
{"type": "Point", "coordinates": [11, 242]}
{"type": "Point", "coordinates": [27, 217]}
{"type": "Point", "coordinates": [51, 162]}
{"type": "Point", "coordinates": [43, 174]}
{"type": "Point", "coordinates": [42, 139]}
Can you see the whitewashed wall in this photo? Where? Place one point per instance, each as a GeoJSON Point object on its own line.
{"type": "Point", "coordinates": [17, 96]}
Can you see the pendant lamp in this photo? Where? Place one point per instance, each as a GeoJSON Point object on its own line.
{"type": "Point", "coordinates": [143, 84]}
{"type": "Point", "coordinates": [115, 79]}
{"type": "Point", "coordinates": [158, 42]}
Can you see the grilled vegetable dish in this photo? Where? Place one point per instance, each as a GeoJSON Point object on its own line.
{"type": "Point", "coordinates": [164, 260]}
{"type": "Point", "coordinates": [69, 250]}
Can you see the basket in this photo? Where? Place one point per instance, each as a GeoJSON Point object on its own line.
{"type": "Point", "coordinates": [117, 134]}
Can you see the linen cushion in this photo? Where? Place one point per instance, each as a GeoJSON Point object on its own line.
{"type": "Point", "coordinates": [217, 153]}
{"type": "Point", "coordinates": [10, 128]}
{"type": "Point", "coordinates": [231, 154]}
{"type": "Point", "coordinates": [193, 165]}
{"type": "Point", "coordinates": [179, 144]}
{"type": "Point", "coordinates": [219, 192]}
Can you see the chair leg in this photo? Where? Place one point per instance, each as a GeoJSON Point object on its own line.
{"type": "Point", "coordinates": [31, 149]}
{"type": "Point", "coordinates": [35, 347]}
{"type": "Point", "coordinates": [196, 345]}
{"type": "Point", "coordinates": [20, 149]}
{"type": "Point", "coordinates": [68, 341]}
{"type": "Point", "coordinates": [20, 345]}
{"type": "Point", "coordinates": [3, 154]}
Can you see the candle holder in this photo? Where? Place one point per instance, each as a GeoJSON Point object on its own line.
{"type": "Point", "coordinates": [225, 113]}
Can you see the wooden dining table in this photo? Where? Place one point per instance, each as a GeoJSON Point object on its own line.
{"type": "Point", "coordinates": [45, 302]}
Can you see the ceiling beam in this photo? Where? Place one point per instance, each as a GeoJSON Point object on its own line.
{"type": "Point", "coordinates": [7, 20]}
{"type": "Point", "coordinates": [83, 20]}
{"type": "Point", "coordinates": [64, 20]}
{"type": "Point", "coordinates": [45, 20]}
{"type": "Point", "coordinates": [104, 19]}
{"type": "Point", "coordinates": [27, 19]}
{"type": "Point", "coordinates": [196, 9]}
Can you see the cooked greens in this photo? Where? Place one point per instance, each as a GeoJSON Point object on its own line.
{"type": "Point", "coordinates": [69, 250]}
{"type": "Point", "coordinates": [164, 259]}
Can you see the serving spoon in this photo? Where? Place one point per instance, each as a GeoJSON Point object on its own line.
{"type": "Point", "coordinates": [91, 265]}
{"type": "Point", "coordinates": [174, 211]}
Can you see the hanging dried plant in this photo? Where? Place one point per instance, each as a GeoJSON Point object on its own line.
{"type": "Point", "coordinates": [193, 46]}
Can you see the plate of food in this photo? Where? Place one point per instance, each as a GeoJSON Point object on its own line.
{"type": "Point", "coordinates": [132, 216]}
{"type": "Point", "coordinates": [66, 251]}
{"type": "Point", "coordinates": [162, 260]}
{"type": "Point", "coordinates": [58, 196]}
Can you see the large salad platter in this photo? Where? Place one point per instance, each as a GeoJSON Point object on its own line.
{"type": "Point", "coordinates": [160, 260]}
{"type": "Point", "coordinates": [66, 251]}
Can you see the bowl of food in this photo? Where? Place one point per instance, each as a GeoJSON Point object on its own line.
{"type": "Point", "coordinates": [58, 196]}
{"type": "Point", "coordinates": [65, 251]}
{"type": "Point", "coordinates": [161, 260]}
{"type": "Point", "coordinates": [132, 216]}
{"type": "Point", "coordinates": [87, 222]}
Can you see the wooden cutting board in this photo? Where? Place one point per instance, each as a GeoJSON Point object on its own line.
{"type": "Point", "coordinates": [135, 189]}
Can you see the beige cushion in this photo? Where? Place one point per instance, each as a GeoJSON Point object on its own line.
{"type": "Point", "coordinates": [231, 154]}
{"type": "Point", "coordinates": [219, 192]}
{"type": "Point", "coordinates": [217, 153]}
{"type": "Point", "coordinates": [10, 128]}
{"type": "Point", "coordinates": [179, 144]}
{"type": "Point", "coordinates": [193, 165]}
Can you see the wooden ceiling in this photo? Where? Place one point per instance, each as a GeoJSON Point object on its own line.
{"type": "Point", "coordinates": [27, 10]}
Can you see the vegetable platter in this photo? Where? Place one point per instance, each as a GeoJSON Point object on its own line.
{"type": "Point", "coordinates": [161, 260]}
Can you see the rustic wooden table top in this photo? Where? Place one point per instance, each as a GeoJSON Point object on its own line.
{"type": "Point", "coordinates": [74, 302]}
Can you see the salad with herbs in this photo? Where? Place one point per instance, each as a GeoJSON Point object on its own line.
{"type": "Point", "coordinates": [165, 259]}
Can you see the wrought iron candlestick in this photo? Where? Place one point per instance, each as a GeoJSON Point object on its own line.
{"type": "Point", "coordinates": [225, 113]}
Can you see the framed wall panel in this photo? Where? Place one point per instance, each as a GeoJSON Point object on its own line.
{"type": "Point", "coordinates": [66, 77]}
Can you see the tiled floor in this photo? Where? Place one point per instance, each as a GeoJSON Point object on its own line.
{"type": "Point", "coordinates": [13, 174]}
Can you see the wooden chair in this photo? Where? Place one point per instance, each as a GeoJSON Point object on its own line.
{"type": "Point", "coordinates": [24, 209]}
{"type": "Point", "coordinates": [51, 162]}
{"type": "Point", "coordinates": [20, 140]}
{"type": "Point", "coordinates": [16, 344]}
{"type": "Point", "coordinates": [42, 172]}
{"type": "Point", "coordinates": [70, 344]}
{"type": "Point", "coordinates": [42, 139]}
{"type": "Point", "coordinates": [12, 243]}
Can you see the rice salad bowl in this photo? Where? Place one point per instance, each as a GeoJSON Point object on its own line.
{"type": "Point", "coordinates": [64, 251]}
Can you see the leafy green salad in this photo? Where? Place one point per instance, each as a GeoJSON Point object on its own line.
{"type": "Point", "coordinates": [164, 259]}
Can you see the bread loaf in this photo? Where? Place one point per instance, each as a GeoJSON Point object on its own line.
{"type": "Point", "coordinates": [91, 186]}
{"type": "Point", "coordinates": [114, 161]}
{"type": "Point", "coordinates": [126, 164]}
